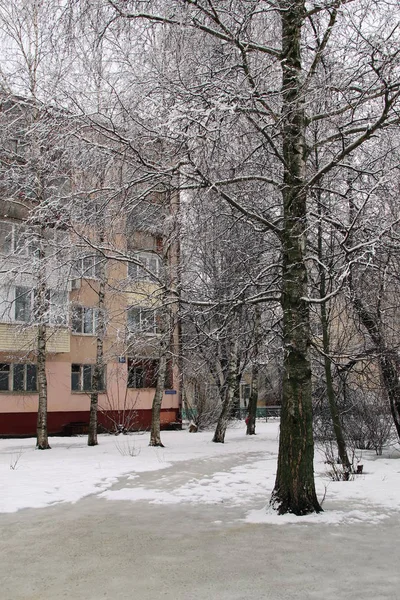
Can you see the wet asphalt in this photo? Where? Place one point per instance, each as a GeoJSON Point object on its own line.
{"type": "Point", "coordinates": [120, 550]}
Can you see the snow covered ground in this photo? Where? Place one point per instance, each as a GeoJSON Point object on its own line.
{"type": "Point", "coordinates": [70, 471]}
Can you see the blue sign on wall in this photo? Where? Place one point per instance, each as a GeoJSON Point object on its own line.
{"type": "Point", "coordinates": [170, 392]}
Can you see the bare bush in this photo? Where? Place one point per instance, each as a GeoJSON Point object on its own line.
{"type": "Point", "coordinates": [15, 460]}
{"type": "Point", "coordinates": [369, 423]}
{"type": "Point", "coordinates": [366, 418]}
{"type": "Point", "coordinates": [120, 414]}
{"type": "Point", "coordinates": [127, 447]}
{"type": "Point", "coordinates": [336, 471]}
{"type": "Point", "coordinates": [204, 407]}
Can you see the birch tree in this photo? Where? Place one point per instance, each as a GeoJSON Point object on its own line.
{"type": "Point", "coordinates": [28, 31]}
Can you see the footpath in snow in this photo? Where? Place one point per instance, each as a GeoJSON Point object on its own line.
{"type": "Point", "coordinates": [71, 470]}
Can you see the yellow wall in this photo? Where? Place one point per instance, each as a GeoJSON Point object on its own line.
{"type": "Point", "coordinates": [20, 338]}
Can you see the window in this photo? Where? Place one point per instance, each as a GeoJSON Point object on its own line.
{"type": "Point", "coordinates": [4, 377]}
{"type": "Point", "coordinates": [142, 320]}
{"type": "Point", "coordinates": [85, 319]}
{"type": "Point", "coordinates": [26, 242]}
{"type": "Point", "coordinates": [147, 215]}
{"type": "Point", "coordinates": [245, 393]}
{"type": "Point", "coordinates": [6, 237]}
{"type": "Point", "coordinates": [150, 269]}
{"type": "Point", "coordinates": [17, 304]}
{"type": "Point", "coordinates": [23, 304]}
{"type": "Point", "coordinates": [31, 378]}
{"type": "Point", "coordinates": [88, 267]}
{"type": "Point", "coordinates": [136, 377]}
{"type": "Point", "coordinates": [17, 239]}
{"type": "Point", "coordinates": [82, 378]}
{"type": "Point", "coordinates": [7, 306]}
{"type": "Point", "coordinates": [18, 377]}
{"type": "Point", "coordinates": [142, 373]}
{"type": "Point", "coordinates": [58, 307]}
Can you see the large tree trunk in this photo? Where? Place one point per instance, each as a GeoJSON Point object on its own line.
{"type": "Point", "coordinates": [42, 442]}
{"type": "Point", "coordinates": [253, 401]}
{"type": "Point", "coordinates": [98, 372]}
{"type": "Point", "coordinates": [155, 434]}
{"type": "Point", "coordinates": [165, 342]}
{"type": "Point", "coordinates": [40, 309]}
{"type": "Point", "coordinates": [294, 490]}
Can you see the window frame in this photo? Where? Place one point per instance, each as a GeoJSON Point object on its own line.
{"type": "Point", "coordinates": [149, 371]}
{"type": "Point", "coordinates": [11, 242]}
{"type": "Point", "coordinates": [92, 271]}
{"type": "Point", "coordinates": [3, 377]}
{"type": "Point", "coordinates": [12, 372]}
{"type": "Point", "coordinates": [245, 393]}
{"type": "Point", "coordinates": [137, 273]}
{"type": "Point", "coordinates": [83, 312]}
{"type": "Point", "coordinates": [27, 248]}
{"type": "Point", "coordinates": [82, 370]}
{"type": "Point", "coordinates": [56, 316]}
{"type": "Point", "coordinates": [7, 304]}
{"type": "Point", "coordinates": [16, 249]}
{"type": "Point", "coordinates": [136, 377]}
{"type": "Point", "coordinates": [136, 325]}
{"type": "Point", "coordinates": [30, 295]}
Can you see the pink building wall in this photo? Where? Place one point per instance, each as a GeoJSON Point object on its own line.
{"type": "Point", "coordinates": [18, 410]}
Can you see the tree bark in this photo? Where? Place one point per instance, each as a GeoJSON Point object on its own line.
{"type": "Point", "coordinates": [98, 374]}
{"type": "Point", "coordinates": [253, 401]}
{"type": "Point", "coordinates": [166, 335]}
{"type": "Point", "coordinates": [252, 413]}
{"type": "Point", "coordinates": [98, 371]}
{"type": "Point", "coordinates": [42, 441]}
{"type": "Point", "coordinates": [155, 434]}
{"type": "Point", "coordinates": [294, 490]}
{"type": "Point", "coordinates": [230, 386]}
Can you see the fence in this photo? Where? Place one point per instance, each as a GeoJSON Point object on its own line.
{"type": "Point", "coordinates": [263, 412]}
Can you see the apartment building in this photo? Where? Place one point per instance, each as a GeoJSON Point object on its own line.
{"type": "Point", "coordinates": [75, 274]}
{"type": "Point", "coordinates": [130, 343]}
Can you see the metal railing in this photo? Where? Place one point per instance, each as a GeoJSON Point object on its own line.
{"type": "Point", "coordinates": [263, 412]}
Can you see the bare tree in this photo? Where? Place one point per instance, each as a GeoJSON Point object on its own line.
{"type": "Point", "coordinates": [28, 31]}
{"type": "Point", "coordinates": [255, 373]}
{"type": "Point", "coordinates": [273, 59]}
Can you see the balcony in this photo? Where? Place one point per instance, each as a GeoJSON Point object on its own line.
{"type": "Point", "coordinates": [17, 338]}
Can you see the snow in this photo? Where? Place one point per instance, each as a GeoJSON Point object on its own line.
{"type": "Point", "coordinates": [239, 473]}
{"type": "Point", "coordinates": [331, 517]}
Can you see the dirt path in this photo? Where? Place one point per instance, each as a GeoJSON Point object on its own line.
{"type": "Point", "coordinates": [99, 549]}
